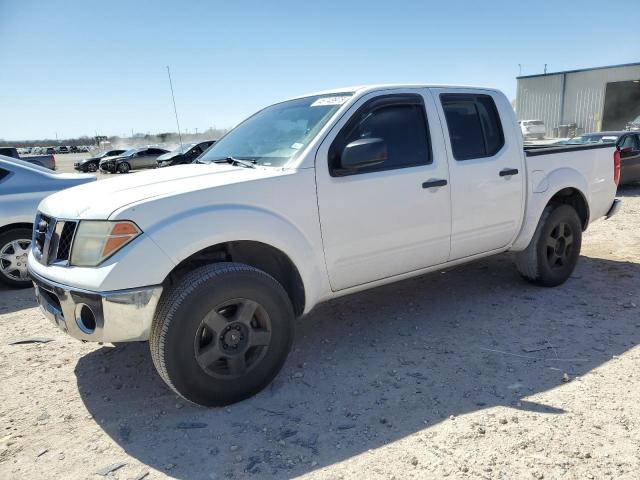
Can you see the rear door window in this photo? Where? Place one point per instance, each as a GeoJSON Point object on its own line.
{"type": "Point", "coordinates": [474, 125]}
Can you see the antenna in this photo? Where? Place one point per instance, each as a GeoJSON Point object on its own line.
{"type": "Point", "coordinates": [174, 105]}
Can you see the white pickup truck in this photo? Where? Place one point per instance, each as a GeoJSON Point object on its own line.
{"type": "Point", "coordinates": [308, 199]}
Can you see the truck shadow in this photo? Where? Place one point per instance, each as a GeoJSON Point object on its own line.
{"type": "Point", "coordinates": [372, 368]}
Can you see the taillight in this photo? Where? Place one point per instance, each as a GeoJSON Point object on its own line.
{"type": "Point", "coordinates": [54, 161]}
{"type": "Point", "coordinates": [616, 166]}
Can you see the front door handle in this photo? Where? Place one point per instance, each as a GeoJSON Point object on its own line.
{"type": "Point", "coordinates": [434, 183]}
{"type": "Point", "coordinates": [507, 172]}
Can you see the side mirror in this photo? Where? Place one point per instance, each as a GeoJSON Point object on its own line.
{"type": "Point", "coordinates": [364, 152]}
{"type": "Point", "coordinates": [626, 150]}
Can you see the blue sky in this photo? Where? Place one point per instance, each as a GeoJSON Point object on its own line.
{"type": "Point", "coordinates": [80, 67]}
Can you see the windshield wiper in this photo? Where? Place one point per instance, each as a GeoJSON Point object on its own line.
{"type": "Point", "coordinates": [237, 161]}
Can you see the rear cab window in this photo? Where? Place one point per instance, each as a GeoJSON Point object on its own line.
{"type": "Point", "coordinates": [474, 125]}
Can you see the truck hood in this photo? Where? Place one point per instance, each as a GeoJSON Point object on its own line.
{"type": "Point", "coordinates": [98, 200]}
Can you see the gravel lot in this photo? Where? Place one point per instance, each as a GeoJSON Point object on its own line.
{"type": "Point", "coordinates": [468, 373]}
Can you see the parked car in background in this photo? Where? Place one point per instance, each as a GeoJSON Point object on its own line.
{"type": "Point", "coordinates": [50, 150]}
{"type": "Point", "coordinates": [62, 149]}
{"type": "Point", "coordinates": [92, 164]}
{"type": "Point", "coordinates": [532, 129]}
{"type": "Point", "coordinates": [22, 187]}
{"type": "Point", "coordinates": [46, 161]}
{"type": "Point", "coordinates": [633, 125]}
{"type": "Point", "coordinates": [133, 159]}
{"type": "Point", "coordinates": [186, 153]}
{"type": "Point", "coordinates": [307, 200]}
{"type": "Point", "coordinates": [628, 145]}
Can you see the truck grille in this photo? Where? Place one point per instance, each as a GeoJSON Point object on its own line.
{"type": "Point", "coordinates": [53, 239]}
{"type": "Point", "coordinates": [64, 243]}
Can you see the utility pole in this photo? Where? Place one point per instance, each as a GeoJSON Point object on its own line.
{"type": "Point", "coordinates": [545, 68]}
{"type": "Point", "coordinates": [175, 109]}
{"type": "Point", "coordinates": [519, 69]}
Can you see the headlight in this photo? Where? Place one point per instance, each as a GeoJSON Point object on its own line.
{"type": "Point", "coordinates": [95, 241]}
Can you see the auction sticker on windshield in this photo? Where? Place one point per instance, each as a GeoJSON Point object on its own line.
{"type": "Point", "coordinates": [337, 100]}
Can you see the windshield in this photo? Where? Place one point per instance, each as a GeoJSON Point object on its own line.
{"type": "Point", "coordinates": [183, 148]}
{"type": "Point", "coordinates": [275, 135]}
{"type": "Point", "coordinates": [128, 153]}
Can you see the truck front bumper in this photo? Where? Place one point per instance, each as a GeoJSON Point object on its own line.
{"type": "Point", "coordinates": [115, 316]}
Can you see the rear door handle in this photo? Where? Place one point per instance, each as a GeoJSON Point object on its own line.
{"type": "Point", "coordinates": [434, 183]}
{"type": "Point", "coordinates": [507, 172]}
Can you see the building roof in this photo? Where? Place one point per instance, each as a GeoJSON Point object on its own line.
{"type": "Point", "coordinates": [580, 70]}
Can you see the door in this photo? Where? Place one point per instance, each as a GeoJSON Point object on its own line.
{"type": "Point", "coordinates": [629, 146]}
{"type": "Point", "coordinates": [392, 217]}
{"type": "Point", "coordinates": [152, 157]}
{"type": "Point", "coordinates": [140, 159]}
{"type": "Point", "coordinates": [486, 168]}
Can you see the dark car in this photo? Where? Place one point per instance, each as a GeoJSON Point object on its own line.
{"type": "Point", "coordinates": [628, 143]}
{"type": "Point", "coordinates": [133, 159]}
{"type": "Point", "coordinates": [91, 164]}
{"type": "Point", "coordinates": [186, 153]}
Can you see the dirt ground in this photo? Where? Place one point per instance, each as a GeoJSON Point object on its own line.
{"type": "Point", "coordinates": [468, 373]}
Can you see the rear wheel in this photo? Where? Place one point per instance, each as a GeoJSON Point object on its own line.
{"type": "Point", "coordinates": [554, 249]}
{"type": "Point", "coordinates": [124, 167]}
{"type": "Point", "coordinates": [222, 333]}
{"type": "Point", "coordinates": [14, 249]}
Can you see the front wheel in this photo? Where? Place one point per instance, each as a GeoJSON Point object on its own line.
{"type": "Point", "coordinates": [124, 167]}
{"type": "Point", "coordinates": [222, 333]}
{"type": "Point", "coordinates": [92, 167]}
{"type": "Point", "coordinates": [14, 249]}
{"type": "Point", "coordinates": [554, 249]}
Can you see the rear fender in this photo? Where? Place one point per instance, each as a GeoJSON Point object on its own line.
{"type": "Point", "coordinates": [541, 189]}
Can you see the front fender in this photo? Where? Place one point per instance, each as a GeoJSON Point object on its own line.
{"type": "Point", "coordinates": [188, 232]}
{"type": "Point", "coordinates": [541, 190]}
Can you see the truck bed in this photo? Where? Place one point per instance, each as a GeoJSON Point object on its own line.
{"type": "Point", "coordinates": [534, 150]}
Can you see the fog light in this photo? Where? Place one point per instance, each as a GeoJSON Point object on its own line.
{"type": "Point", "coordinates": [86, 320]}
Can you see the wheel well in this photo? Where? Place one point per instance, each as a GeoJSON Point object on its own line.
{"type": "Point", "coordinates": [256, 254]}
{"type": "Point", "coordinates": [575, 198]}
{"type": "Point", "coordinates": [13, 226]}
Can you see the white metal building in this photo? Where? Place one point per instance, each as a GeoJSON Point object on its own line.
{"type": "Point", "coordinates": [594, 99]}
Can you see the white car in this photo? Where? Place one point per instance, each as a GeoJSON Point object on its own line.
{"type": "Point", "coordinates": [22, 187]}
{"type": "Point", "coordinates": [532, 129]}
{"type": "Point", "coordinates": [307, 200]}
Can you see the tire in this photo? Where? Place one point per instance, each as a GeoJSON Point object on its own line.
{"type": "Point", "coordinates": [92, 167]}
{"type": "Point", "coordinates": [554, 249]}
{"type": "Point", "coordinates": [14, 248]}
{"type": "Point", "coordinates": [124, 167]}
{"type": "Point", "coordinates": [203, 362]}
